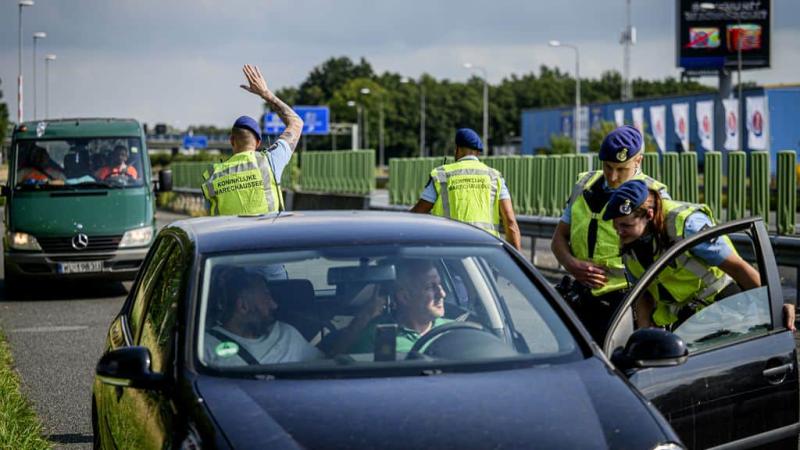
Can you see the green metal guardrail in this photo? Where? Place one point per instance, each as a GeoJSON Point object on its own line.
{"type": "Point", "coordinates": [712, 183]}
{"type": "Point", "coordinates": [349, 171]}
{"type": "Point", "coordinates": [188, 175]}
{"type": "Point", "coordinates": [787, 192]}
{"type": "Point", "coordinates": [540, 185]}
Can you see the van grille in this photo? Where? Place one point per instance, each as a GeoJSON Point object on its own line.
{"type": "Point", "coordinates": [64, 244]}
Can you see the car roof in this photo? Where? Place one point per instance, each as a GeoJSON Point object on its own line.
{"type": "Point", "coordinates": [81, 127]}
{"type": "Point", "coordinates": [311, 229]}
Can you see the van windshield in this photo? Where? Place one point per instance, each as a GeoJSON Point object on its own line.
{"type": "Point", "coordinates": [78, 163]}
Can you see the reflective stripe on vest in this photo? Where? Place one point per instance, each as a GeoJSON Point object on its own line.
{"type": "Point", "coordinates": [461, 204]}
{"type": "Point", "coordinates": [606, 248]}
{"type": "Point", "coordinates": [240, 195]}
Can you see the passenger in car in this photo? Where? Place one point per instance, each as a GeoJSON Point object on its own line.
{"type": "Point", "coordinates": [418, 297]}
{"type": "Point", "coordinates": [38, 168]}
{"type": "Point", "coordinates": [648, 225]}
{"type": "Point", "coordinates": [246, 330]}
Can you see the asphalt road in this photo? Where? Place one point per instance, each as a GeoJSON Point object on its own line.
{"type": "Point", "coordinates": [56, 336]}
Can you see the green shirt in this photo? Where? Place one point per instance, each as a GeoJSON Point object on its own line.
{"type": "Point", "coordinates": [406, 337]}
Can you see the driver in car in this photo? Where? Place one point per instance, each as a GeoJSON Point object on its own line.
{"type": "Point", "coordinates": [247, 331]}
{"type": "Point", "coordinates": [119, 165]}
{"type": "Point", "coordinates": [419, 299]}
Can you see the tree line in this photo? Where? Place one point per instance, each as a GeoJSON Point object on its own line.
{"type": "Point", "coordinates": [450, 104]}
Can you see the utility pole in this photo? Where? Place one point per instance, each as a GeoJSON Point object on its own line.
{"type": "Point", "coordinates": [627, 39]}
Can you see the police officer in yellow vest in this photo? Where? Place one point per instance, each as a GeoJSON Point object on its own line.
{"type": "Point", "coordinates": [248, 183]}
{"type": "Point", "coordinates": [586, 245]}
{"type": "Point", "coordinates": [470, 191]}
{"type": "Point", "coordinates": [647, 226]}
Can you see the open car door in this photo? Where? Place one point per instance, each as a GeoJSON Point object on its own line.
{"type": "Point", "coordinates": [738, 388]}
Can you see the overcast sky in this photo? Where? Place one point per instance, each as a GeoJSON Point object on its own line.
{"type": "Point", "coordinates": [179, 61]}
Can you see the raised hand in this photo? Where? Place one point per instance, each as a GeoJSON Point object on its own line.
{"type": "Point", "coordinates": [256, 82]}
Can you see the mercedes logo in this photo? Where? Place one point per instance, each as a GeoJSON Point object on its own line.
{"type": "Point", "coordinates": [80, 241]}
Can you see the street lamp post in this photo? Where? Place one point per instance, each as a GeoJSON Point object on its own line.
{"type": "Point", "coordinates": [422, 152]}
{"type": "Point", "coordinates": [577, 118]}
{"type": "Point", "coordinates": [22, 4]}
{"type": "Point", "coordinates": [47, 59]}
{"type": "Point", "coordinates": [357, 134]}
{"type": "Point", "coordinates": [707, 6]}
{"type": "Point", "coordinates": [36, 36]}
{"type": "Point", "coordinates": [365, 91]}
{"type": "Point", "coordinates": [485, 75]}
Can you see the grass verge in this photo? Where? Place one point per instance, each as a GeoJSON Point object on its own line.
{"type": "Point", "coordinates": [19, 426]}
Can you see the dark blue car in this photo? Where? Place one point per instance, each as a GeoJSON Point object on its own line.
{"type": "Point", "coordinates": [385, 330]}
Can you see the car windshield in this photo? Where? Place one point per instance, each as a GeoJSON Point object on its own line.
{"type": "Point", "coordinates": [375, 308]}
{"type": "Point", "coordinates": [78, 163]}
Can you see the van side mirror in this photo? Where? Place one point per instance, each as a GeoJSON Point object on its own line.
{"type": "Point", "coordinates": [5, 191]}
{"type": "Point", "coordinates": [651, 347]}
{"type": "Point", "coordinates": [129, 367]}
{"type": "Point", "coordinates": [164, 180]}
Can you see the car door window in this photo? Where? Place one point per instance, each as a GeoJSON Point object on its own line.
{"type": "Point", "coordinates": [143, 288]}
{"type": "Point", "coordinates": [735, 318]}
{"type": "Point", "coordinates": [162, 307]}
{"type": "Point", "coordinates": [722, 308]}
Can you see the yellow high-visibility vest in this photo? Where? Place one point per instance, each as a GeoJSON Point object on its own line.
{"type": "Point", "coordinates": [606, 249]}
{"type": "Point", "coordinates": [468, 191]}
{"type": "Point", "coordinates": [242, 185]}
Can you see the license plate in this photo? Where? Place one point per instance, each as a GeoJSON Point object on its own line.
{"type": "Point", "coordinates": [80, 267]}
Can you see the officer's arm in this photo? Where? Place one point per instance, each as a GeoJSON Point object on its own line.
{"type": "Point", "coordinates": [422, 207]}
{"type": "Point", "coordinates": [510, 224]}
{"type": "Point", "coordinates": [743, 273]}
{"type": "Point", "coordinates": [559, 245]}
{"type": "Point", "coordinates": [258, 86]}
{"type": "Point", "coordinates": [643, 309]}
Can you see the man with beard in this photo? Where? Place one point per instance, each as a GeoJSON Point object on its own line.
{"type": "Point", "coordinates": [419, 298]}
{"type": "Point", "coordinates": [247, 331]}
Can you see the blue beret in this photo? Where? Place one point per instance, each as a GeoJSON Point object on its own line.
{"type": "Point", "coordinates": [626, 199]}
{"type": "Point", "coordinates": [248, 123]}
{"type": "Point", "coordinates": [466, 137]}
{"type": "Point", "coordinates": [621, 144]}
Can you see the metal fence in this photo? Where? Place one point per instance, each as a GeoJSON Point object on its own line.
{"type": "Point", "coordinates": [540, 185]}
{"type": "Point", "coordinates": [351, 171]}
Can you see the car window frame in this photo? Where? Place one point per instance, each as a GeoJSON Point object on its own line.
{"type": "Point", "coordinates": [130, 338]}
{"type": "Point", "coordinates": [159, 280]}
{"type": "Point", "coordinates": [755, 230]}
{"type": "Point", "coordinates": [583, 347]}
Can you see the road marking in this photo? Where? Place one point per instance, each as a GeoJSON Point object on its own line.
{"type": "Point", "coordinates": [53, 329]}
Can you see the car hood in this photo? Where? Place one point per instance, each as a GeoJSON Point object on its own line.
{"type": "Point", "coordinates": [97, 211]}
{"type": "Point", "coordinates": [578, 405]}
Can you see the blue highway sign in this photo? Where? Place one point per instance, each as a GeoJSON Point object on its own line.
{"type": "Point", "coordinates": [316, 120]}
{"type": "Point", "coordinates": [196, 141]}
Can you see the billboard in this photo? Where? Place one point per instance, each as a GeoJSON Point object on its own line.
{"type": "Point", "coordinates": [709, 34]}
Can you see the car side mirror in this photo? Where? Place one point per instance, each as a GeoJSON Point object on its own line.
{"type": "Point", "coordinates": [164, 180]}
{"type": "Point", "coordinates": [129, 367]}
{"type": "Point", "coordinates": [5, 191]}
{"type": "Point", "coordinates": [651, 347]}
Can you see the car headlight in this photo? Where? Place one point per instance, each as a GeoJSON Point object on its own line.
{"type": "Point", "coordinates": [669, 446]}
{"type": "Point", "coordinates": [22, 241]}
{"type": "Point", "coordinates": [137, 237]}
